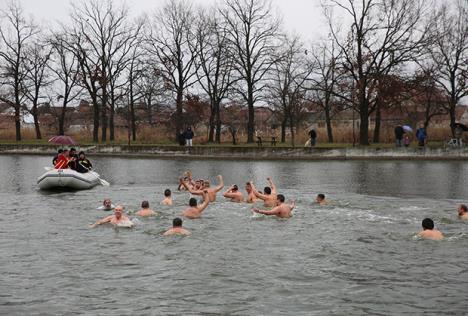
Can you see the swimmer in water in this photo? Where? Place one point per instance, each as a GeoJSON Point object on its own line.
{"type": "Point", "coordinates": [429, 232]}
{"type": "Point", "coordinates": [107, 205]}
{"type": "Point", "coordinates": [269, 193]}
{"type": "Point", "coordinates": [320, 199]}
{"type": "Point", "coordinates": [167, 197]}
{"type": "Point", "coordinates": [117, 219]}
{"type": "Point", "coordinates": [463, 211]}
{"type": "Point", "coordinates": [234, 194]}
{"type": "Point", "coordinates": [251, 198]}
{"type": "Point", "coordinates": [177, 229]}
{"type": "Point", "coordinates": [145, 210]}
{"type": "Point", "coordinates": [281, 209]}
{"type": "Point", "coordinates": [195, 211]}
{"type": "Point", "coordinates": [206, 187]}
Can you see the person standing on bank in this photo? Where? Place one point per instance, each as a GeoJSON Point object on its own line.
{"type": "Point", "coordinates": [399, 132]}
{"type": "Point", "coordinates": [421, 135]}
{"type": "Point", "coordinates": [313, 137]}
{"type": "Point", "coordinates": [188, 135]}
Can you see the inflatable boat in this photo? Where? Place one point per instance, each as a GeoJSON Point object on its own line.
{"type": "Point", "coordinates": [68, 179]}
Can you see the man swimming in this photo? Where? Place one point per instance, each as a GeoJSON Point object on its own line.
{"type": "Point", "coordinates": [177, 229]}
{"type": "Point", "coordinates": [145, 210]}
{"type": "Point", "coordinates": [107, 205]}
{"type": "Point", "coordinates": [167, 197]}
{"type": "Point", "coordinates": [320, 199]}
{"type": "Point", "coordinates": [269, 193]}
{"type": "Point", "coordinates": [281, 209]}
{"type": "Point", "coordinates": [251, 198]}
{"type": "Point", "coordinates": [234, 194]}
{"type": "Point", "coordinates": [206, 186]}
{"type": "Point", "coordinates": [463, 211]}
{"type": "Point", "coordinates": [195, 211]}
{"type": "Point", "coordinates": [429, 232]}
{"type": "Point", "coordinates": [117, 219]}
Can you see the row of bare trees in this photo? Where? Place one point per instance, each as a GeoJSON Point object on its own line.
{"type": "Point", "coordinates": [376, 55]}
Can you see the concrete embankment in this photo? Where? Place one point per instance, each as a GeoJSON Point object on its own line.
{"type": "Point", "coordinates": [250, 153]}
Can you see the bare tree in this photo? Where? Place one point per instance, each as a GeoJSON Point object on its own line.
{"type": "Point", "coordinates": [450, 53]}
{"type": "Point", "coordinates": [150, 85]}
{"type": "Point", "coordinates": [65, 68]}
{"type": "Point", "coordinates": [288, 83]}
{"type": "Point", "coordinates": [253, 35]}
{"type": "Point", "coordinates": [37, 78]}
{"type": "Point", "coordinates": [326, 82]}
{"type": "Point", "coordinates": [100, 31]}
{"type": "Point", "coordinates": [16, 33]}
{"type": "Point", "coordinates": [384, 35]}
{"type": "Point", "coordinates": [174, 43]}
{"type": "Point", "coordinates": [215, 64]}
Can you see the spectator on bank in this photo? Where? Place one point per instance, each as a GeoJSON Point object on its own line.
{"type": "Point", "coordinates": [399, 132]}
{"type": "Point", "coordinates": [458, 133]}
{"type": "Point", "coordinates": [273, 137]}
{"type": "Point", "coordinates": [313, 137]}
{"type": "Point", "coordinates": [188, 136]}
{"type": "Point", "coordinates": [421, 135]}
{"type": "Point", "coordinates": [258, 134]}
{"type": "Point", "coordinates": [406, 140]}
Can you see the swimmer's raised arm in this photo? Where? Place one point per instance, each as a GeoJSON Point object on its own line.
{"type": "Point", "coordinates": [292, 205]}
{"type": "Point", "coordinates": [220, 184]}
{"type": "Point", "coordinates": [194, 192]}
{"type": "Point", "coordinates": [206, 201]}
{"type": "Point", "coordinates": [102, 221]}
{"type": "Point", "coordinates": [272, 185]}
{"type": "Point", "coordinates": [256, 193]}
{"type": "Point", "coordinates": [228, 193]}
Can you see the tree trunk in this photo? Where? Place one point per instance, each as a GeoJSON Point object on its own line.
{"type": "Point", "coordinates": [364, 116]}
{"type": "Point", "coordinates": [211, 123]}
{"type": "Point", "coordinates": [329, 124]}
{"type": "Point", "coordinates": [251, 119]}
{"type": "Point", "coordinates": [132, 117]}
{"type": "Point", "coordinates": [104, 114]}
{"type": "Point", "coordinates": [378, 121]}
{"type": "Point", "coordinates": [111, 121]}
{"type": "Point", "coordinates": [283, 130]}
{"type": "Point", "coordinates": [218, 122]}
{"type": "Point", "coordinates": [291, 127]}
{"type": "Point", "coordinates": [178, 117]}
{"type": "Point", "coordinates": [36, 122]}
{"type": "Point", "coordinates": [17, 116]}
{"type": "Point", "coordinates": [61, 118]}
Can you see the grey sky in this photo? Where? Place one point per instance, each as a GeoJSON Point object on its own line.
{"type": "Point", "coordinates": [301, 16]}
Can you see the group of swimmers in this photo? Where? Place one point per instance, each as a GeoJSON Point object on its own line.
{"type": "Point", "coordinates": [69, 159]}
{"type": "Point", "coordinates": [272, 200]}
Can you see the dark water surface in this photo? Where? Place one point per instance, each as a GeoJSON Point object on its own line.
{"type": "Point", "coordinates": [357, 256]}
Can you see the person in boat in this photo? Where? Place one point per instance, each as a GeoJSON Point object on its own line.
{"type": "Point", "coordinates": [54, 160]}
{"type": "Point", "coordinates": [429, 232]}
{"type": "Point", "coordinates": [281, 209]}
{"type": "Point", "coordinates": [72, 162]}
{"type": "Point", "coordinates": [167, 197]}
{"type": "Point", "coordinates": [145, 210]}
{"type": "Point", "coordinates": [83, 164]}
{"type": "Point", "coordinates": [463, 211]}
{"type": "Point", "coordinates": [177, 228]}
{"type": "Point", "coordinates": [206, 187]}
{"type": "Point", "coordinates": [269, 193]}
{"type": "Point", "coordinates": [195, 210]}
{"type": "Point", "coordinates": [107, 205]}
{"type": "Point", "coordinates": [251, 198]}
{"type": "Point", "coordinates": [63, 160]}
{"type": "Point", "coordinates": [234, 194]}
{"type": "Point", "coordinates": [118, 219]}
{"type": "Point", "coordinates": [321, 200]}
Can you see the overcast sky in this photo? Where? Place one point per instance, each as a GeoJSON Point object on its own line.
{"type": "Point", "coordinates": [301, 16]}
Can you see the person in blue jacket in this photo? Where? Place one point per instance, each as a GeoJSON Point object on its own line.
{"type": "Point", "coordinates": [421, 135]}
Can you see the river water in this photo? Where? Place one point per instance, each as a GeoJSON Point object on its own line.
{"type": "Point", "coordinates": [356, 256]}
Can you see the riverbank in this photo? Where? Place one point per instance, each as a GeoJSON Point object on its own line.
{"type": "Point", "coordinates": [250, 153]}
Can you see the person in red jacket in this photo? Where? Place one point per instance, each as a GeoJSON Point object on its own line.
{"type": "Point", "coordinates": [63, 160]}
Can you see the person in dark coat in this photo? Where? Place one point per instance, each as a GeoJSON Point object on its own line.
{"type": "Point", "coordinates": [313, 137]}
{"type": "Point", "coordinates": [399, 132]}
{"type": "Point", "coordinates": [188, 136]}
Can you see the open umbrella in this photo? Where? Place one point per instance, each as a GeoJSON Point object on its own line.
{"type": "Point", "coordinates": [62, 140]}
{"type": "Point", "coordinates": [407, 128]}
{"type": "Point", "coordinates": [462, 126]}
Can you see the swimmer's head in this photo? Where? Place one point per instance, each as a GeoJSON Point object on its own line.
{"type": "Point", "coordinates": [267, 190]}
{"type": "Point", "coordinates": [193, 202]}
{"type": "Point", "coordinates": [107, 203]}
{"type": "Point", "coordinates": [248, 187]}
{"type": "Point", "coordinates": [462, 209]}
{"type": "Point", "coordinates": [167, 193]}
{"type": "Point", "coordinates": [206, 184]}
{"type": "Point", "coordinates": [428, 224]}
{"type": "Point", "coordinates": [235, 187]}
{"type": "Point", "coordinates": [145, 204]}
{"type": "Point", "coordinates": [118, 211]}
{"type": "Point", "coordinates": [279, 199]}
{"type": "Point", "coordinates": [320, 197]}
{"type": "Point", "coordinates": [177, 222]}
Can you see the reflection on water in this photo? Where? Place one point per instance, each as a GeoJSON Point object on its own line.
{"type": "Point", "coordinates": [356, 256]}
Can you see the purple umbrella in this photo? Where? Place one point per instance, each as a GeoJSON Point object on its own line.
{"type": "Point", "coordinates": [62, 140]}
